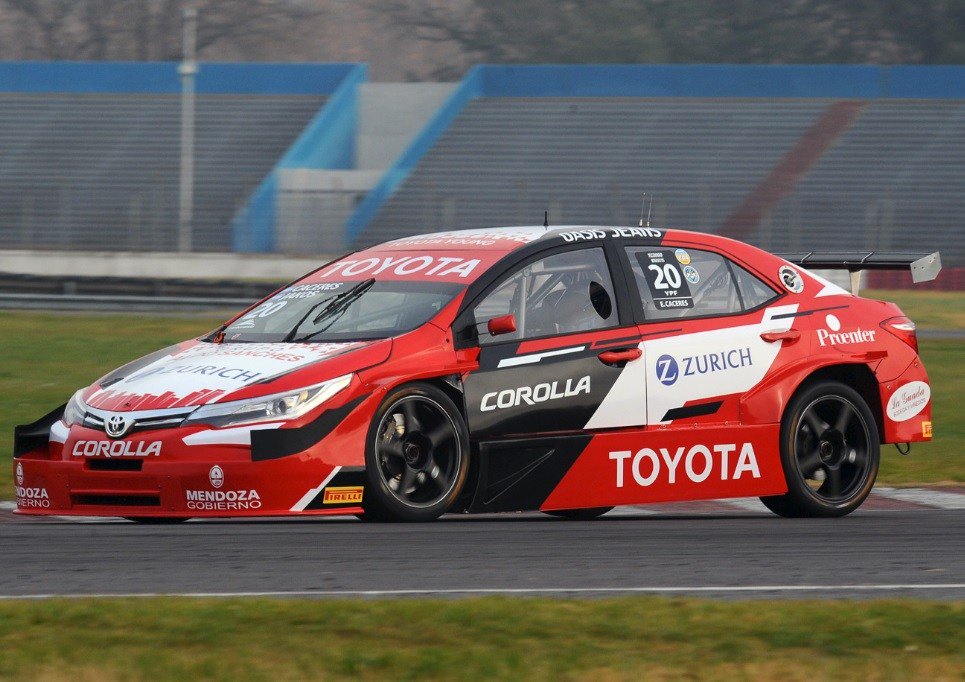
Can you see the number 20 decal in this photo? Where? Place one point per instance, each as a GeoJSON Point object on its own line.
{"type": "Point", "coordinates": [668, 277]}
{"type": "Point", "coordinates": [265, 310]}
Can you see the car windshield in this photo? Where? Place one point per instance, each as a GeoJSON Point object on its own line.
{"type": "Point", "coordinates": [342, 311]}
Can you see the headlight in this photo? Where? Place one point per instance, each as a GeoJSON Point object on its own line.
{"type": "Point", "coordinates": [269, 408]}
{"type": "Point", "coordinates": [75, 410]}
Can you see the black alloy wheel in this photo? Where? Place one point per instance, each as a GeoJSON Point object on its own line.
{"type": "Point", "coordinates": [830, 452]}
{"type": "Point", "coordinates": [417, 457]}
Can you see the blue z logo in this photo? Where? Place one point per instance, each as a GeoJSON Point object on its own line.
{"type": "Point", "coordinates": [667, 371]}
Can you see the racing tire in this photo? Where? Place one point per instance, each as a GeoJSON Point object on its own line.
{"type": "Point", "coordinates": [579, 514]}
{"type": "Point", "coordinates": [830, 452]}
{"type": "Point", "coordinates": [416, 455]}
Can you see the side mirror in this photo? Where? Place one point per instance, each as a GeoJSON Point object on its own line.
{"type": "Point", "coordinates": [504, 324]}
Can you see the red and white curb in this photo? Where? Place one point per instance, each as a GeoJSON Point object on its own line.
{"type": "Point", "coordinates": [881, 499]}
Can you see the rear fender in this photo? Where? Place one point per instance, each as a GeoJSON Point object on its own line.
{"type": "Point", "coordinates": [906, 406]}
{"type": "Point", "coordinates": [765, 403]}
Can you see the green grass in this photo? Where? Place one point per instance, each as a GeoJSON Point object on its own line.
{"type": "Point", "coordinates": [45, 357]}
{"type": "Point", "coordinates": [943, 459]}
{"type": "Point", "coordinates": [928, 309]}
{"type": "Point", "coordinates": [488, 638]}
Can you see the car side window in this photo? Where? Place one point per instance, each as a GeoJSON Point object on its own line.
{"type": "Point", "coordinates": [754, 292]}
{"type": "Point", "coordinates": [682, 283]}
{"type": "Point", "coordinates": [560, 294]}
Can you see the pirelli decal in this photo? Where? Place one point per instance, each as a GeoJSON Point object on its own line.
{"type": "Point", "coordinates": [350, 494]}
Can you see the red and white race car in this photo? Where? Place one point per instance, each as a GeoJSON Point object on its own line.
{"type": "Point", "coordinates": [566, 370]}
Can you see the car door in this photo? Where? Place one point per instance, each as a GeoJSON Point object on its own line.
{"type": "Point", "coordinates": [704, 316]}
{"type": "Point", "coordinates": [571, 343]}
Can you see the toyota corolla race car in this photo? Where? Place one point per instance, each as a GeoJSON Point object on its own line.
{"type": "Point", "coordinates": [564, 370]}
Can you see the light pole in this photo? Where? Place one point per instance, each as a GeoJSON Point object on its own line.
{"type": "Point", "coordinates": [187, 69]}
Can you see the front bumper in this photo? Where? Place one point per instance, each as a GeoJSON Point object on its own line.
{"type": "Point", "coordinates": [157, 474]}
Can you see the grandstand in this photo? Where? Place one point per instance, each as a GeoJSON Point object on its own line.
{"type": "Point", "coordinates": [90, 156]}
{"type": "Point", "coordinates": [788, 158]}
{"type": "Point", "coordinates": [312, 159]}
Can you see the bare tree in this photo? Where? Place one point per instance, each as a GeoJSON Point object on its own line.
{"type": "Point", "coordinates": [147, 29]}
{"type": "Point", "coordinates": [562, 31]}
{"type": "Point", "coordinates": [740, 31]}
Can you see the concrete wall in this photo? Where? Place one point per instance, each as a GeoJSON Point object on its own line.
{"type": "Point", "coordinates": [390, 115]}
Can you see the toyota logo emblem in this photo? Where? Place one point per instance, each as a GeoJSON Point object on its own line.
{"type": "Point", "coordinates": [117, 425]}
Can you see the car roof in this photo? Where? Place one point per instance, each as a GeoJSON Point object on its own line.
{"type": "Point", "coordinates": [510, 238]}
{"type": "Point", "coordinates": [464, 255]}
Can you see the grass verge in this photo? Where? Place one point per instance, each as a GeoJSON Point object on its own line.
{"type": "Point", "coordinates": [929, 309]}
{"type": "Point", "coordinates": [46, 357]}
{"type": "Point", "coordinates": [486, 638]}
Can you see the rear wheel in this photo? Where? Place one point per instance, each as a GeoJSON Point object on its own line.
{"type": "Point", "coordinates": [829, 451]}
{"type": "Point", "coordinates": [417, 455]}
{"type": "Point", "coordinates": [579, 514]}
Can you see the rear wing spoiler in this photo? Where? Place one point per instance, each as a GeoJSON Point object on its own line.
{"type": "Point", "coordinates": [924, 266]}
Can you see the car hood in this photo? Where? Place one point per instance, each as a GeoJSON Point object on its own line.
{"type": "Point", "coordinates": [196, 373]}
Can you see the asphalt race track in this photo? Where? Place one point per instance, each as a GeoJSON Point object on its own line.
{"type": "Point", "coordinates": [872, 553]}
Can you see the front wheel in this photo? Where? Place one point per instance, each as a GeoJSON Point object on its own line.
{"type": "Point", "coordinates": [417, 455]}
{"type": "Point", "coordinates": [829, 450]}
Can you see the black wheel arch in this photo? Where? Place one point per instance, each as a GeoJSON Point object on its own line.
{"type": "Point", "coordinates": [448, 385]}
{"type": "Point", "coordinates": [854, 375]}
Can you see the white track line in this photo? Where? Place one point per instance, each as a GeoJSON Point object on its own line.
{"type": "Point", "coordinates": [930, 498]}
{"type": "Point", "coordinates": [751, 504]}
{"type": "Point", "coordinates": [629, 512]}
{"type": "Point", "coordinates": [8, 506]}
{"type": "Point", "coordinates": [495, 590]}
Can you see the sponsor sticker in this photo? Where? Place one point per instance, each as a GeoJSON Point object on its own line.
{"type": "Point", "coordinates": [116, 448]}
{"type": "Point", "coordinates": [404, 266]}
{"type": "Point", "coordinates": [682, 256]}
{"type": "Point", "coordinates": [669, 370]}
{"type": "Point", "coordinates": [791, 279]}
{"type": "Point", "coordinates": [350, 494]}
{"type": "Point", "coordinates": [926, 429]}
{"type": "Point", "coordinates": [222, 500]}
{"type": "Point", "coordinates": [216, 476]}
{"type": "Point", "coordinates": [19, 473]}
{"type": "Point", "coordinates": [690, 272]}
{"type": "Point", "coordinates": [32, 498]}
{"type": "Point", "coordinates": [665, 279]}
{"type": "Point", "coordinates": [530, 395]}
{"type": "Point", "coordinates": [615, 232]}
{"type": "Point", "coordinates": [696, 463]}
{"type": "Point", "coordinates": [833, 336]}
{"type": "Point", "coordinates": [908, 401]}
{"type": "Point", "coordinates": [483, 237]}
